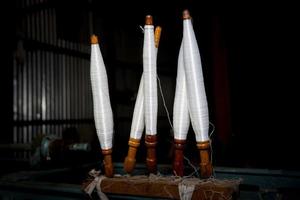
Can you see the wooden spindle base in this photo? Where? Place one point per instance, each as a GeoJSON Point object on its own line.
{"type": "Point", "coordinates": [178, 166]}
{"type": "Point", "coordinates": [150, 141]}
{"type": "Point", "coordinates": [108, 165]}
{"type": "Point", "coordinates": [205, 163]}
{"type": "Point", "coordinates": [129, 162]}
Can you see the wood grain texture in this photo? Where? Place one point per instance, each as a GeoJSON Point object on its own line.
{"type": "Point", "coordinates": [151, 162]}
{"type": "Point", "coordinates": [167, 187]}
{"type": "Point", "coordinates": [178, 166]}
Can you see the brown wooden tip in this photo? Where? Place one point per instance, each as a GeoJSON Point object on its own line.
{"type": "Point", "coordinates": [108, 165]}
{"type": "Point", "coordinates": [129, 162]}
{"type": "Point", "coordinates": [157, 36]}
{"type": "Point", "coordinates": [149, 20]}
{"type": "Point", "coordinates": [186, 14]}
{"type": "Point", "coordinates": [94, 39]}
{"type": "Point", "coordinates": [205, 163]}
{"type": "Point", "coordinates": [178, 166]}
{"type": "Point", "coordinates": [150, 141]}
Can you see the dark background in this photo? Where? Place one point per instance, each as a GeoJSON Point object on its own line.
{"type": "Point", "coordinates": [249, 56]}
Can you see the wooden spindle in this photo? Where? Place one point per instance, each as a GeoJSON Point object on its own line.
{"type": "Point", "coordinates": [129, 162]}
{"type": "Point", "coordinates": [108, 165]}
{"type": "Point", "coordinates": [205, 161]}
{"type": "Point", "coordinates": [178, 166]}
{"type": "Point", "coordinates": [150, 141]}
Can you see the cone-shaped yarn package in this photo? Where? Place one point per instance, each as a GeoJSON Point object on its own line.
{"type": "Point", "coordinates": [102, 109]}
{"type": "Point", "coordinates": [138, 120]}
{"type": "Point", "coordinates": [150, 83]}
{"type": "Point", "coordinates": [196, 95]}
{"type": "Point", "coordinates": [181, 118]}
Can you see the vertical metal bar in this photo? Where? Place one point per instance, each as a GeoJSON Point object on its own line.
{"type": "Point", "coordinates": [15, 90]}
{"type": "Point", "coordinates": [19, 98]}
{"type": "Point", "coordinates": [58, 87]}
{"type": "Point", "coordinates": [24, 96]}
{"type": "Point", "coordinates": [71, 86]}
{"type": "Point", "coordinates": [64, 80]}
{"type": "Point", "coordinates": [61, 87]}
{"type": "Point", "coordinates": [33, 66]}
{"type": "Point", "coordinates": [29, 114]}
{"type": "Point", "coordinates": [68, 105]}
{"type": "Point", "coordinates": [52, 88]}
{"type": "Point", "coordinates": [43, 95]}
{"type": "Point", "coordinates": [38, 85]}
{"type": "Point", "coordinates": [24, 103]}
{"type": "Point", "coordinates": [55, 89]}
{"type": "Point", "coordinates": [76, 87]}
{"type": "Point", "coordinates": [35, 86]}
{"type": "Point", "coordinates": [71, 97]}
{"type": "Point", "coordinates": [15, 98]}
{"type": "Point", "coordinates": [47, 90]}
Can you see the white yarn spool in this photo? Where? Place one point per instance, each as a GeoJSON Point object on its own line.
{"type": "Point", "coordinates": [181, 119]}
{"type": "Point", "coordinates": [138, 120]}
{"type": "Point", "coordinates": [102, 109]}
{"type": "Point", "coordinates": [197, 102]}
{"type": "Point", "coordinates": [150, 83]}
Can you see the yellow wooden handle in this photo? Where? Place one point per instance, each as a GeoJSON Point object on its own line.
{"type": "Point", "coordinates": [157, 35]}
{"type": "Point", "coordinates": [129, 162]}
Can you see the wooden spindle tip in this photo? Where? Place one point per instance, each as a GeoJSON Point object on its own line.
{"type": "Point", "coordinates": [149, 20]}
{"type": "Point", "coordinates": [94, 39]}
{"type": "Point", "coordinates": [186, 14]}
{"type": "Point", "coordinates": [157, 35]}
{"type": "Point", "coordinates": [158, 29]}
{"type": "Point", "coordinates": [129, 164]}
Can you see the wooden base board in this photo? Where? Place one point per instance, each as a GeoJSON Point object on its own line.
{"type": "Point", "coordinates": [167, 187]}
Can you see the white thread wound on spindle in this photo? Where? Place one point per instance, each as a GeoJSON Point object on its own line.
{"type": "Point", "coordinates": [197, 102]}
{"type": "Point", "coordinates": [138, 119]}
{"type": "Point", "coordinates": [150, 83]}
{"type": "Point", "coordinates": [181, 119]}
{"type": "Point", "coordinates": [102, 109]}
